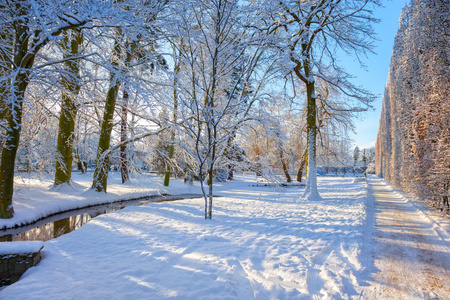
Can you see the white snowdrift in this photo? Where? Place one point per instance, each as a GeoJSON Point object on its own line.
{"type": "Point", "coordinates": [20, 247]}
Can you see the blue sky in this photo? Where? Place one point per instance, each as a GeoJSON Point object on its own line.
{"type": "Point", "coordinates": [375, 77]}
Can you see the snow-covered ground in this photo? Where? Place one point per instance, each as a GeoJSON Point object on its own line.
{"type": "Point", "coordinates": [262, 243]}
{"type": "Point", "coordinates": [34, 198]}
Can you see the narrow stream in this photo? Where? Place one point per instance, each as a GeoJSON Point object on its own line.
{"type": "Point", "coordinates": [57, 225]}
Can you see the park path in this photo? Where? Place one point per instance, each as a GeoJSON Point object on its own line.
{"type": "Point", "coordinates": [410, 257]}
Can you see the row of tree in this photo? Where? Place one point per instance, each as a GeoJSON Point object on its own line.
{"type": "Point", "coordinates": [113, 77]}
{"type": "Point", "coordinates": [413, 145]}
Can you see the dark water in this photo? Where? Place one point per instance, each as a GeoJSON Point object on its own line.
{"type": "Point", "coordinates": [57, 225]}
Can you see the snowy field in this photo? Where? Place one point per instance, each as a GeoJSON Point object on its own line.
{"type": "Point", "coordinates": [262, 243]}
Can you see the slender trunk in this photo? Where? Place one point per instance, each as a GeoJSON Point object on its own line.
{"type": "Point", "coordinates": [100, 180]}
{"type": "Point", "coordinates": [81, 164]}
{"type": "Point", "coordinates": [211, 133]}
{"type": "Point", "coordinates": [211, 158]}
{"type": "Point", "coordinates": [210, 198]}
{"type": "Point", "coordinates": [285, 169]}
{"type": "Point", "coordinates": [27, 158]}
{"type": "Point", "coordinates": [188, 174]}
{"type": "Point", "coordinates": [175, 107]}
{"type": "Point", "coordinates": [124, 171]}
{"type": "Point", "coordinates": [228, 154]}
{"type": "Point", "coordinates": [300, 172]}
{"type": "Point", "coordinates": [230, 172]}
{"type": "Point", "coordinates": [202, 185]}
{"type": "Point", "coordinates": [123, 138]}
{"type": "Point", "coordinates": [71, 84]}
{"type": "Point", "coordinates": [206, 207]}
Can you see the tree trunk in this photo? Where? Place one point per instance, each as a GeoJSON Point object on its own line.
{"type": "Point", "coordinates": [4, 69]}
{"type": "Point", "coordinates": [6, 185]}
{"type": "Point", "coordinates": [100, 180]}
{"type": "Point", "coordinates": [302, 166]}
{"type": "Point", "coordinates": [210, 172]}
{"type": "Point", "coordinates": [124, 171]}
{"type": "Point", "coordinates": [14, 121]}
{"type": "Point", "coordinates": [285, 169]}
{"type": "Point", "coordinates": [230, 172]}
{"type": "Point", "coordinates": [123, 138]}
{"type": "Point", "coordinates": [175, 107]}
{"type": "Point", "coordinates": [211, 133]}
{"type": "Point", "coordinates": [168, 166]}
{"type": "Point", "coordinates": [210, 196]}
{"type": "Point", "coordinates": [212, 156]}
{"type": "Point", "coordinates": [81, 164]}
{"type": "Point", "coordinates": [228, 153]}
{"type": "Point", "coordinates": [188, 174]}
{"type": "Point", "coordinates": [71, 84]}
{"type": "Point", "coordinates": [311, 191]}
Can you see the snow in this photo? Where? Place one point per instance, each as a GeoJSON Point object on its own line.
{"type": "Point", "coordinates": [434, 217]}
{"type": "Point", "coordinates": [262, 243]}
{"type": "Point", "coordinates": [35, 199]}
{"type": "Point", "coordinates": [7, 248]}
{"type": "Point", "coordinates": [409, 257]}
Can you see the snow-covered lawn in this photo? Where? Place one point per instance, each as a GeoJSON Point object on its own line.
{"type": "Point", "coordinates": [34, 199]}
{"type": "Point", "coordinates": [262, 243]}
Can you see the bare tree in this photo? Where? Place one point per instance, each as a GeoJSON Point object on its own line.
{"type": "Point", "coordinates": [218, 61]}
{"type": "Point", "coordinates": [308, 34]}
